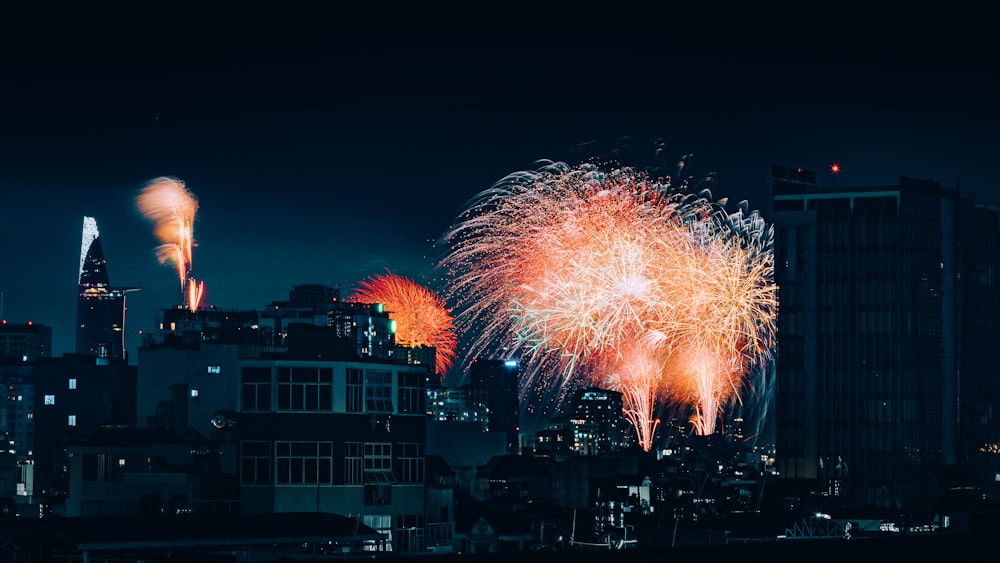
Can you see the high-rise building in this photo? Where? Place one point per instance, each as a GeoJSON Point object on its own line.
{"type": "Point", "coordinates": [51, 402]}
{"type": "Point", "coordinates": [461, 404]}
{"type": "Point", "coordinates": [24, 342]}
{"type": "Point", "coordinates": [498, 380]}
{"type": "Point", "coordinates": [100, 312]}
{"type": "Point", "coordinates": [597, 421]}
{"type": "Point", "coordinates": [878, 357]}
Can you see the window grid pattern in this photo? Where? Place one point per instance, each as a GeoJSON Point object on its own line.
{"type": "Point", "coordinates": [412, 393]}
{"type": "Point", "coordinates": [411, 462]}
{"type": "Point", "coordinates": [304, 389]}
{"type": "Point", "coordinates": [353, 463]}
{"type": "Point", "coordinates": [255, 463]}
{"type": "Point", "coordinates": [256, 389]}
{"type": "Point", "coordinates": [303, 463]}
{"type": "Point", "coordinates": [355, 390]}
{"type": "Point", "coordinates": [378, 456]}
{"type": "Point", "coordinates": [378, 391]}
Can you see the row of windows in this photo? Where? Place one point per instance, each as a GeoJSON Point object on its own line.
{"type": "Point", "coordinates": [365, 463]}
{"type": "Point", "coordinates": [311, 389]}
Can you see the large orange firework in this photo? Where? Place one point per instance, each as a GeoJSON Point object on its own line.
{"type": "Point", "coordinates": [421, 316]}
{"type": "Point", "coordinates": [616, 279]}
{"type": "Point", "coordinates": [172, 208]}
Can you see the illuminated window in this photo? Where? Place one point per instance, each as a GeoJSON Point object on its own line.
{"type": "Point", "coordinates": [72, 420]}
{"type": "Point", "coordinates": [50, 399]}
{"type": "Point", "coordinates": [72, 383]}
{"type": "Point", "coordinates": [214, 369]}
{"type": "Point", "coordinates": [194, 393]}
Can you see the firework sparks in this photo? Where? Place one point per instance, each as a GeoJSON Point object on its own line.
{"type": "Point", "coordinates": [617, 279]}
{"type": "Point", "coordinates": [421, 316]}
{"type": "Point", "coordinates": [172, 208]}
{"type": "Point", "coordinates": [639, 381]}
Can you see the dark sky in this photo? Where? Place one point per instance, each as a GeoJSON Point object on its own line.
{"type": "Point", "coordinates": [325, 156]}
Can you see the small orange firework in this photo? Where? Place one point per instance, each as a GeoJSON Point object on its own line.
{"type": "Point", "coordinates": [421, 316]}
{"type": "Point", "coordinates": [171, 207]}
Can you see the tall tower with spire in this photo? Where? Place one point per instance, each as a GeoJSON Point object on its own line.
{"type": "Point", "coordinates": [100, 312]}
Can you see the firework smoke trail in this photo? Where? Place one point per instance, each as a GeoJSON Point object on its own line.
{"type": "Point", "coordinates": [172, 208]}
{"type": "Point", "coordinates": [568, 267]}
{"type": "Point", "coordinates": [421, 316]}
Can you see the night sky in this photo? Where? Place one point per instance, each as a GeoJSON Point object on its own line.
{"type": "Point", "coordinates": [318, 159]}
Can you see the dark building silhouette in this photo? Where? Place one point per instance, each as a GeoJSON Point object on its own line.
{"type": "Point", "coordinates": [51, 402]}
{"type": "Point", "coordinates": [599, 424]}
{"type": "Point", "coordinates": [317, 413]}
{"type": "Point", "coordinates": [24, 342]}
{"type": "Point", "coordinates": [462, 404]}
{"type": "Point", "coordinates": [887, 331]}
{"type": "Point", "coordinates": [306, 303]}
{"type": "Point", "coordinates": [498, 380]}
{"type": "Point", "coordinates": [100, 312]}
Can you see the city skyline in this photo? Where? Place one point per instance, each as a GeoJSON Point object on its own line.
{"type": "Point", "coordinates": [333, 165]}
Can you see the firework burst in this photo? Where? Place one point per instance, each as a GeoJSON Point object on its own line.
{"type": "Point", "coordinates": [172, 208]}
{"type": "Point", "coordinates": [421, 316]}
{"type": "Point", "coordinates": [616, 279]}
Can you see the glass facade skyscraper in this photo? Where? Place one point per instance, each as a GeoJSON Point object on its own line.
{"type": "Point", "coordinates": [879, 366]}
{"type": "Point", "coordinates": [498, 380]}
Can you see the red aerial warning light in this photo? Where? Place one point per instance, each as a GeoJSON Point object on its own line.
{"type": "Point", "coordinates": [835, 168]}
